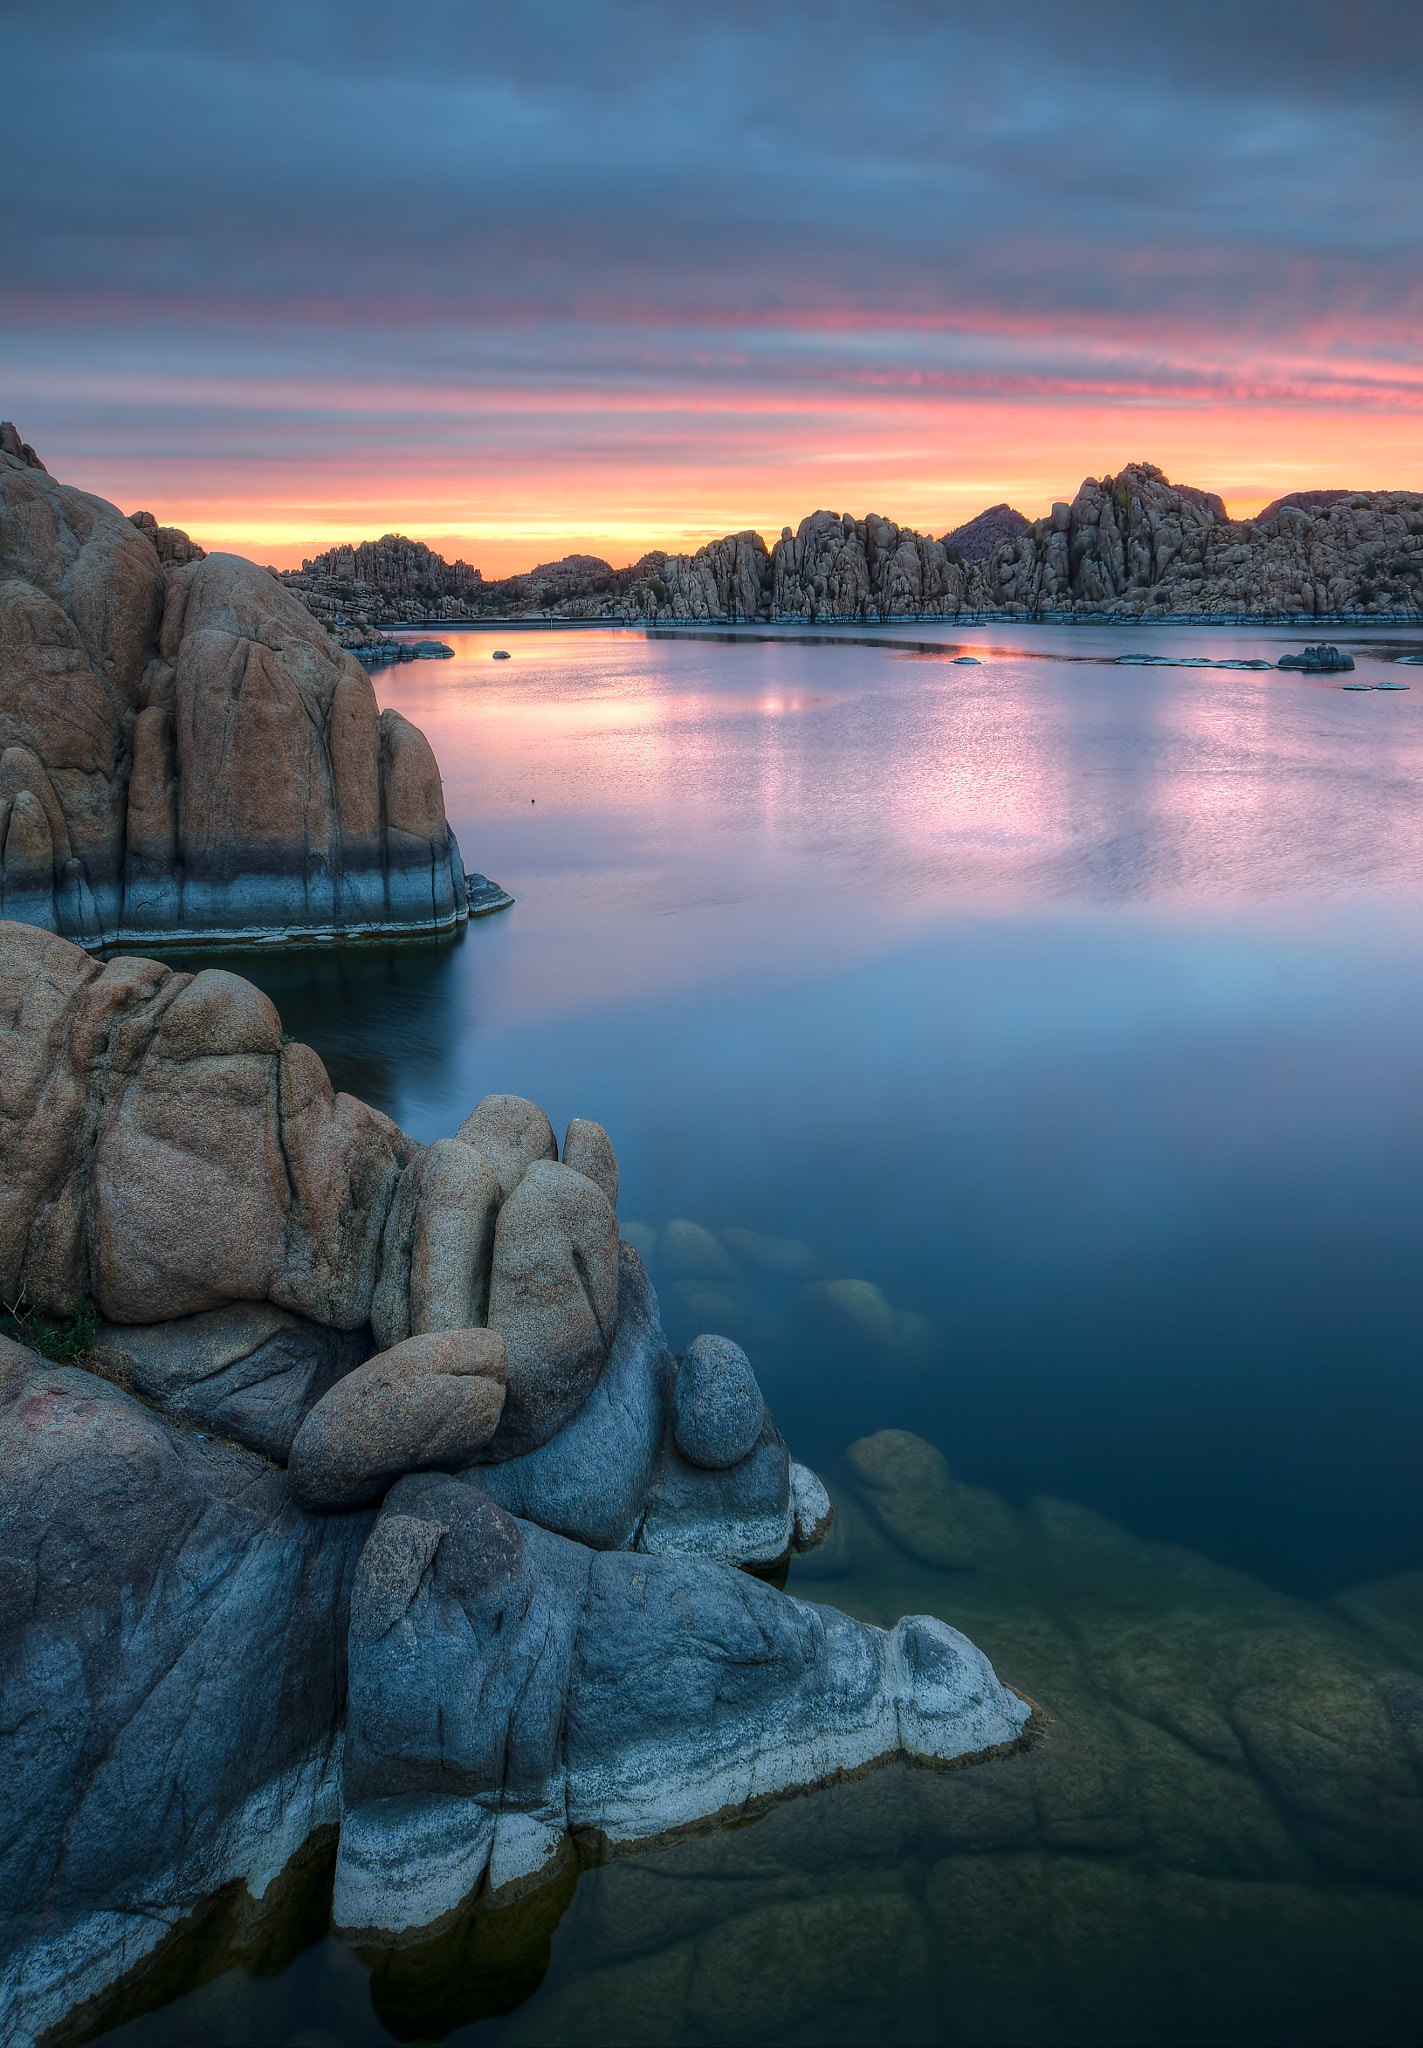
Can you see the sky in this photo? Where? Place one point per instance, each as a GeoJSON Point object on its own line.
{"type": "Point", "coordinates": [522, 280]}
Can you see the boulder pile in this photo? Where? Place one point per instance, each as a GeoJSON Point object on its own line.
{"type": "Point", "coordinates": [186, 754]}
{"type": "Point", "coordinates": [378, 1503]}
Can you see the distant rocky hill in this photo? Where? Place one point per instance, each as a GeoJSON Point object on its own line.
{"type": "Point", "coordinates": [976, 539]}
{"type": "Point", "coordinates": [1135, 544]}
{"type": "Point", "coordinates": [1129, 545]}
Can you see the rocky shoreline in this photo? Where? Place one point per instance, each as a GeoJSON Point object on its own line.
{"type": "Point", "coordinates": [1132, 548]}
{"type": "Point", "coordinates": [376, 1503]}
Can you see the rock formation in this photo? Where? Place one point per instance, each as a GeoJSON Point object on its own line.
{"type": "Point", "coordinates": [219, 1638]}
{"type": "Point", "coordinates": [184, 754]}
{"type": "Point", "coordinates": [1127, 545]}
{"type": "Point", "coordinates": [1136, 544]}
{"type": "Point", "coordinates": [976, 539]}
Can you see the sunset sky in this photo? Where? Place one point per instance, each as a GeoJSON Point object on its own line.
{"type": "Point", "coordinates": [521, 280]}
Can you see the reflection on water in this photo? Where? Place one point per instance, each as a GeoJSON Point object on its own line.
{"type": "Point", "coordinates": [1020, 1055]}
{"type": "Point", "coordinates": [1216, 1837]}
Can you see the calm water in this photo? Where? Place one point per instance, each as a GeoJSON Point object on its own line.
{"type": "Point", "coordinates": [1071, 1011]}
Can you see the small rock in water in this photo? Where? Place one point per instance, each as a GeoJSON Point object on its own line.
{"type": "Point", "coordinates": [717, 1405]}
{"type": "Point", "coordinates": [1325, 659]}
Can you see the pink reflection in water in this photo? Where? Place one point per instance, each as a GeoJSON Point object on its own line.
{"type": "Point", "coordinates": [673, 812]}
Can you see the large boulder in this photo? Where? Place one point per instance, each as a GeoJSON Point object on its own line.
{"type": "Point", "coordinates": [164, 1152]}
{"type": "Point", "coordinates": [173, 1634]}
{"type": "Point", "coordinates": [717, 1406]}
{"type": "Point", "coordinates": [588, 1149]}
{"type": "Point", "coordinates": [438, 1245]}
{"type": "Point", "coordinates": [512, 1134]}
{"type": "Point", "coordinates": [553, 1297]}
{"type": "Point", "coordinates": [508, 1686]}
{"type": "Point", "coordinates": [185, 751]}
{"type": "Point", "coordinates": [593, 1479]}
{"type": "Point", "coordinates": [429, 1404]}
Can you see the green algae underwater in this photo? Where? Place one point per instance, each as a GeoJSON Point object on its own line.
{"type": "Point", "coordinates": [1213, 1834]}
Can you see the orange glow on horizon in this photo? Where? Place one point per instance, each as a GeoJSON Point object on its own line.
{"type": "Point", "coordinates": [617, 489]}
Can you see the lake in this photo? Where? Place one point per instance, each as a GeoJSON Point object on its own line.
{"type": "Point", "coordinates": [1034, 1044]}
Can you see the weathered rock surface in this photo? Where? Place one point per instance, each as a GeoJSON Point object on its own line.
{"type": "Point", "coordinates": [588, 1149]}
{"type": "Point", "coordinates": [976, 539]}
{"type": "Point", "coordinates": [592, 1481]}
{"type": "Point", "coordinates": [428, 1404]}
{"type": "Point", "coordinates": [174, 1604]}
{"type": "Point", "coordinates": [512, 1134]}
{"type": "Point", "coordinates": [508, 1686]}
{"type": "Point", "coordinates": [250, 1372]}
{"type": "Point", "coordinates": [717, 1407]}
{"type": "Point", "coordinates": [438, 1245]}
{"type": "Point", "coordinates": [1137, 544]}
{"type": "Point", "coordinates": [173, 1637]}
{"type": "Point", "coordinates": [185, 752]}
{"type": "Point", "coordinates": [163, 1152]}
{"type": "Point", "coordinates": [553, 1294]}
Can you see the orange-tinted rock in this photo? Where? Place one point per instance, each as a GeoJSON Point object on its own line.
{"type": "Point", "coordinates": [206, 758]}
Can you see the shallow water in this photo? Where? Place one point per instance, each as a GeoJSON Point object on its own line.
{"type": "Point", "coordinates": [1067, 1011]}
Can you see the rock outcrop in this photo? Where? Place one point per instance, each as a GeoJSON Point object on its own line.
{"type": "Point", "coordinates": [184, 752]}
{"type": "Point", "coordinates": [1135, 544]}
{"type": "Point", "coordinates": [1126, 545]}
{"type": "Point", "coordinates": [217, 1640]}
{"type": "Point", "coordinates": [976, 539]}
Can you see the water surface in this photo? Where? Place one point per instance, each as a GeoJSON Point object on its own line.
{"type": "Point", "coordinates": [1036, 1043]}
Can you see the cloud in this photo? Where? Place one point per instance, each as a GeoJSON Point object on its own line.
{"type": "Point", "coordinates": [255, 230]}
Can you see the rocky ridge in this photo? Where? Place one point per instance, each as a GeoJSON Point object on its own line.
{"type": "Point", "coordinates": [1127, 546]}
{"type": "Point", "coordinates": [184, 752]}
{"type": "Point", "coordinates": [380, 1503]}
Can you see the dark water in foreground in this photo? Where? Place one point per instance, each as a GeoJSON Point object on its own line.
{"type": "Point", "coordinates": [1036, 1046]}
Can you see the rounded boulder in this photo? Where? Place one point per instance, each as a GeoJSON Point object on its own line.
{"type": "Point", "coordinates": [588, 1149]}
{"type": "Point", "coordinates": [428, 1404]}
{"type": "Point", "coordinates": [717, 1407]}
{"type": "Point", "coordinates": [553, 1298]}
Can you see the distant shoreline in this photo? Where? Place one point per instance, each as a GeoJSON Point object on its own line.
{"type": "Point", "coordinates": [859, 629]}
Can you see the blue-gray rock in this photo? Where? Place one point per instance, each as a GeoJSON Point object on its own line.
{"type": "Point", "coordinates": [172, 1641]}
{"type": "Point", "coordinates": [507, 1686]}
{"type": "Point", "coordinates": [716, 1403]}
{"type": "Point", "coordinates": [251, 1372]}
{"type": "Point", "coordinates": [739, 1515]}
{"type": "Point", "coordinates": [592, 1481]}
